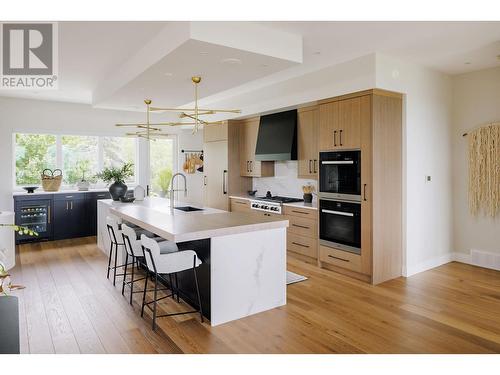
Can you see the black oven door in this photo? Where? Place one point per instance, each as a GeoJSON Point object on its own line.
{"type": "Point", "coordinates": [340, 175]}
{"type": "Point", "coordinates": [340, 225]}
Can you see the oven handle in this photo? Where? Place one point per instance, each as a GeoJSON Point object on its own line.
{"type": "Point", "coordinates": [337, 212]}
{"type": "Point", "coordinates": [338, 162]}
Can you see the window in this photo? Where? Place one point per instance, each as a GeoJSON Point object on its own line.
{"type": "Point", "coordinates": [161, 164]}
{"type": "Point", "coordinates": [77, 156]}
{"type": "Point", "coordinates": [33, 153]}
{"type": "Point", "coordinates": [118, 151]}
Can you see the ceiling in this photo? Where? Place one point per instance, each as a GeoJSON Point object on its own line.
{"type": "Point", "coordinates": [118, 64]}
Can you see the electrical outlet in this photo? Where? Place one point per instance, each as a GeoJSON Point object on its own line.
{"type": "Point", "coordinates": [428, 179]}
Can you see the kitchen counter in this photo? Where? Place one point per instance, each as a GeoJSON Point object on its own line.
{"type": "Point", "coordinates": [312, 206]}
{"type": "Point", "coordinates": [39, 191]}
{"type": "Point", "coordinates": [155, 215]}
{"type": "Point", "coordinates": [244, 256]}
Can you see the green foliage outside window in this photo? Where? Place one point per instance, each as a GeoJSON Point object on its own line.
{"type": "Point", "coordinates": [34, 153]}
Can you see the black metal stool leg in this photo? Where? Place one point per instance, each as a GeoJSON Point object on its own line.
{"type": "Point", "coordinates": [125, 274]}
{"type": "Point", "coordinates": [144, 296]}
{"type": "Point", "coordinates": [116, 261]}
{"type": "Point", "coordinates": [154, 301]}
{"type": "Point", "coordinates": [109, 258]}
{"type": "Point", "coordinates": [177, 286]}
{"type": "Point", "coordinates": [198, 292]}
{"type": "Point", "coordinates": [132, 281]}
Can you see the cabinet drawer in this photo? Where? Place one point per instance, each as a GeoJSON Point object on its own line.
{"type": "Point", "coordinates": [69, 196]}
{"type": "Point", "coordinates": [340, 258]}
{"type": "Point", "coordinates": [303, 226]}
{"type": "Point", "coordinates": [238, 205]}
{"type": "Point", "coordinates": [302, 245]}
{"type": "Point", "coordinates": [301, 212]}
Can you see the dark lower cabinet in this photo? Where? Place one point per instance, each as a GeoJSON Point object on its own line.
{"type": "Point", "coordinates": [70, 216]}
{"type": "Point", "coordinates": [59, 216]}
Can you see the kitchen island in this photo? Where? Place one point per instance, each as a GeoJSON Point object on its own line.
{"type": "Point", "coordinates": [244, 256]}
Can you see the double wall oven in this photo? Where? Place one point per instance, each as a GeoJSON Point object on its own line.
{"type": "Point", "coordinates": [340, 200]}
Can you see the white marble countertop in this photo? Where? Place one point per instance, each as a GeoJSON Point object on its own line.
{"type": "Point", "coordinates": [155, 215]}
{"type": "Point", "coordinates": [312, 206]}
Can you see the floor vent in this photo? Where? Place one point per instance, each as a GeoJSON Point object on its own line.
{"type": "Point", "coordinates": [485, 259]}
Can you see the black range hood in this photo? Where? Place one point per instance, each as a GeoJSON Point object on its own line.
{"type": "Point", "coordinates": [277, 138]}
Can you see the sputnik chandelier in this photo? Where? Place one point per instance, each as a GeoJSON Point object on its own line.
{"type": "Point", "coordinates": [150, 130]}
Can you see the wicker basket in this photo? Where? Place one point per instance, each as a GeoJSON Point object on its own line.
{"type": "Point", "coordinates": [51, 182]}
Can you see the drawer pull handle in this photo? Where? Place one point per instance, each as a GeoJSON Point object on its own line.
{"type": "Point", "coordinates": [239, 202]}
{"type": "Point", "coordinates": [299, 244]}
{"type": "Point", "coordinates": [343, 260]}
{"type": "Point", "coordinates": [300, 226]}
{"type": "Point", "coordinates": [69, 196]}
{"type": "Point", "coordinates": [101, 195]}
{"type": "Point", "coordinates": [301, 212]}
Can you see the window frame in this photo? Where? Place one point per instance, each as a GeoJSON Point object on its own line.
{"type": "Point", "coordinates": [59, 157]}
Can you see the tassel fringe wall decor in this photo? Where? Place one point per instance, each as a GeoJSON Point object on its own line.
{"type": "Point", "coordinates": [484, 170]}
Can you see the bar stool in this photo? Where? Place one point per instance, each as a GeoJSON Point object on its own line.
{"type": "Point", "coordinates": [113, 224]}
{"type": "Point", "coordinates": [131, 239]}
{"type": "Point", "coordinates": [168, 264]}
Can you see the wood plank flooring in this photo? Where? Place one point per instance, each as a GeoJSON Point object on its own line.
{"type": "Point", "coordinates": [69, 306]}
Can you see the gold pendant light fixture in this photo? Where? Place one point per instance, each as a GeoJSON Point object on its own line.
{"type": "Point", "coordinates": [150, 130]}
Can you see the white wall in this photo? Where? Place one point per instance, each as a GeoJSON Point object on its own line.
{"type": "Point", "coordinates": [195, 181]}
{"type": "Point", "coordinates": [427, 151]}
{"type": "Point", "coordinates": [476, 101]}
{"type": "Point", "coordinates": [18, 115]}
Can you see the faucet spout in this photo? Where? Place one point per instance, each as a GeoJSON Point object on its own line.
{"type": "Point", "coordinates": [172, 190]}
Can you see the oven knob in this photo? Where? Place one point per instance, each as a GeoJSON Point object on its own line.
{"type": "Point", "coordinates": [255, 205]}
{"type": "Point", "coordinates": [265, 207]}
{"type": "Point", "coordinates": [274, 208]}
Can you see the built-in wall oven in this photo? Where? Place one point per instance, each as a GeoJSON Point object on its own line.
{"type": "Point", "coordinates": [340, 175]}
{"type": "Point", "coordinates": [340, 200]}
{"type": "Point", "coordinates": [340, 225]}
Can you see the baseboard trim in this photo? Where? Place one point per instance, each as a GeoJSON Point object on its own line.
{"type": "Point", "coordinates": [436, 262]}
{"type": "Point", "coordinates": [429, 264]}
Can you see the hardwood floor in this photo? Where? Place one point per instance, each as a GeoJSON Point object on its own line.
{"type": "Point", "coordinates": [69, 306]}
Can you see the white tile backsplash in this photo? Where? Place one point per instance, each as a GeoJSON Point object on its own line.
{"type": "Point", "coordinates": [284, 182]}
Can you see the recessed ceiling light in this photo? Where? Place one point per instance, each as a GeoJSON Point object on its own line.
{"type": "Point", "coordinates": [498, 57]}
{"type": "Point", "coordinates": [232, 61]}
{"type": "Point", "coordinates": [467, 63]}
{"type": "Point", "coordinates": [317, 53]}
{"type": "Point", "coordinates": [204, 53]}
{"type": "Point", "coordinates": [168, 74]}
{"type": "Point", "coordinates": [264, 65]}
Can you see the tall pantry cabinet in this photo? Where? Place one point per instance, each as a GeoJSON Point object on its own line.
{"type": "Point", "coordinates": [371, 121]}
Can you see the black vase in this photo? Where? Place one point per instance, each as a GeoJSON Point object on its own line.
{"type": "Point", "coordinates": [117, 190]}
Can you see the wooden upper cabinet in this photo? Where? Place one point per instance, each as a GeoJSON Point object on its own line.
{"type": "Point", "coordinates": [307, 142]}
{"type": "Point", "coordinates": [340, 124]}
{"type": "Point", "coordinates": [349, 125]}
{"type": "Point", "coordinates": [249, 167]}
{"type": "Point", "coordinates": [215, 132]}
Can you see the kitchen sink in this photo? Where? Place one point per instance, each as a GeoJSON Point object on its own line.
{"type": "Point", "coordinates": [188, 208]}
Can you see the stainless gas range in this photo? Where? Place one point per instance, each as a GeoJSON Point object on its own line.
{"type": "Point", "coordinates": [272, 204]}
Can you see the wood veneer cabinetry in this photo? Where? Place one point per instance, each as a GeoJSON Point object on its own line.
{"type": "Point", "coordinates": [340, 124]}
{"type": "Point", "coordinates": [221, 165]}
{"type": "Point", "coordinates": [302, 233]}
{"type": "Point", "coordinates": [372, 122]}
{"type": "Point", "coordinates": [249, 167]}
{"type": "Point", "coordinates": [307, 142]}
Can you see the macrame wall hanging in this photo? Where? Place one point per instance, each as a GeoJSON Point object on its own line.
{"type": "Point", "coordinates": [484, 170]}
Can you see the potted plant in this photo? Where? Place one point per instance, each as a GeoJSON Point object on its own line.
{"type": "Point", "coordinates": [163, 180]}
{"type": "Point", "coordinates": [117, 176]}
